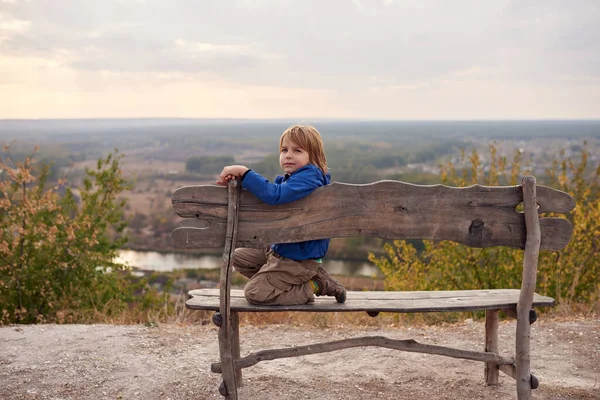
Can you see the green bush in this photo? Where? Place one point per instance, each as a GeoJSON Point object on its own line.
{"type": "Point", "coordinates": [57, 244]}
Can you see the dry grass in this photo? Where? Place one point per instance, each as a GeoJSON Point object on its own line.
{"type": "Point", "coordinates": [174, 312]}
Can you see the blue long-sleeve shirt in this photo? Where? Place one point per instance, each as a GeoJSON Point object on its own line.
{"type": "Point", "coordinates": [286, 189]}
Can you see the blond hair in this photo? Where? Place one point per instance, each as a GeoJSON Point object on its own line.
{"type": "Point", "coordinates": [310, 140]}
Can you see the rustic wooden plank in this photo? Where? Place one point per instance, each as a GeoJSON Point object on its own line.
{"type": "Point", "coordinates": [512, 294]}
{"type": "Point", "coordinates": [477, 216]}
{"type": "Point", "coordinates": [554, 200]}
{"type": "Point", "coordinates": [491, 371]}
{"type": "Point", "coordinates": [530, 263]}
{"type": "Point", "coordinates": [556, 233]}
{"type": "Point", "coordinates": [409, 345]}
{"type": "Point", "coordinates": [405, 302]}
{"type": "Point", "coordinates": [228, 328]}
{"type": "Point", "coordinates": [210, 202]}
{"type": "Point", "coordinates": [189, 201]}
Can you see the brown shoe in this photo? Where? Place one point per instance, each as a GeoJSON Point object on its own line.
{"type": "Point", "coordinates": [329, 286]}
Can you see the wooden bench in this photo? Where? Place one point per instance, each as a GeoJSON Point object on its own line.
{"type": "Point", "coordinates": [477, 216]}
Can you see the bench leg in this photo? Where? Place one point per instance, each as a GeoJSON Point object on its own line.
{"type": "Point", "coordinates": [235, 344]}
{"type": "Point", "coordinates": [492, 371]}
{"type": "Point", "coordinates": [228, 387]}
{"type": "Point", "coordinates": [524, 379]}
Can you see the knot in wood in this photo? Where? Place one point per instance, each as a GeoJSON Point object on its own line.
{"type": "Point", "coordinates": [401, 210]}
{"type": "Point", "coordinates": [476, 228]}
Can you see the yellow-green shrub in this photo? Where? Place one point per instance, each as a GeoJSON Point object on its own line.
{"type": "Point", "coordinates": [57, 249]}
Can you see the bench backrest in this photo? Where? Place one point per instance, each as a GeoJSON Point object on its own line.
{"type": "Point", "coordinates": [477, 216]}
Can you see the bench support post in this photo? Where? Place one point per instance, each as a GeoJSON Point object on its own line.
{"type": "Point", "coordinates": [530, 262]}
{"type": "Point", "coordinates": [229, 330]}
{"type": "Point", "coordinates": [235, 344]}
{"type": "Point", "coordinates": [492, 371]}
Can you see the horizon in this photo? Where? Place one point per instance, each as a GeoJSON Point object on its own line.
{"type": "Point", "coordinates": [19, 129]}
{"type": "Point", "coordinates": [315, 119]}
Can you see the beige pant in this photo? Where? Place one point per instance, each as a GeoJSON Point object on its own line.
{"type": "Point", "coordinates": [275, 280]}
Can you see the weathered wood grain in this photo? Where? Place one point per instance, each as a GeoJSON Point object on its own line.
{"type": "Point", "coordinates": [235, 345]}
{"type": "Point", "coordinates": [409, 345]}
{"type": "Point", "coordinates": [530, 264]}
{"type": "Point", "coordinates": [556, 233]}
{"type": "Point", "coordinates": [228, 331]}
{"type": "Point", "coordinates": [476, 216]}
{"type": "Point", "coordinates": [491, 371]}
{"type": "Point", "coordinates": [188, 201]}
{"type": "Point", "coordinates": [405, 302]}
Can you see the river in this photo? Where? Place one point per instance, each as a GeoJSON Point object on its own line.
{"type": "Point", "coordinates": [154, 261]}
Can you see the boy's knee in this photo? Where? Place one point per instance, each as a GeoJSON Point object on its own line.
{"type": "Point", "coordinates": [257, 291]}
{"type": "Point", "coordinates": [237, 256]}
{"type": "Point", "coordinates": [249, 258]}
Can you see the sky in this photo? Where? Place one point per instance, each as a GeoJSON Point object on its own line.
{"type": "Point", "coordinates": [348, 59]}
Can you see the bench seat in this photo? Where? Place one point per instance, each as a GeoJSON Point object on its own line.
{"type": "Point", "coordinates": [380, 301]}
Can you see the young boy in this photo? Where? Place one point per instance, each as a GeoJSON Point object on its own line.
{"type": "Point", "coordinates": [287, 273]}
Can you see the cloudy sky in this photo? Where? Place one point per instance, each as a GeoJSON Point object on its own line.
{"type": "Point", "coordinates": [367, 59]}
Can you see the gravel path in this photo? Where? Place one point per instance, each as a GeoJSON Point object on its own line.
{"type": "Point", "coordinates": [173, 362]}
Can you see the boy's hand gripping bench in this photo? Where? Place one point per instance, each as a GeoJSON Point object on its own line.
{"type": "Point", "coordinates": [477, 216]}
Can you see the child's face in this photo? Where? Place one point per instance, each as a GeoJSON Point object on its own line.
{"type": "Point", "coordinates": [292, 157]}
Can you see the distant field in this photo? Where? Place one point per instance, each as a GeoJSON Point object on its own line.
{"type": "Point", "coordinates": [156, 151]}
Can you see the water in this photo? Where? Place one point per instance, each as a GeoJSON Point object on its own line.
{"type": "Point", "coordinates": [154, 261]}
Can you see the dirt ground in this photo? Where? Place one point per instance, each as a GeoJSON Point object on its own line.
{"type": "Point", "coordinates": [173, 362]}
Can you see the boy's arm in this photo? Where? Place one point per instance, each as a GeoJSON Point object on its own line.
{"type": "Point", "coordinates": [299, 185]}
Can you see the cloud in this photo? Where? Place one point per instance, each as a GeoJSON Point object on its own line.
{"type": "Point", "coordinates": [341, 47]}
{"type": "Point", "coordinates": [203, 47]}
{"type": "Point", "coordinates": [13, 25]}
{"type": "Point", "coordinates": [318, 44]}
{"type": "Point", "coordinates": [9, 27]}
